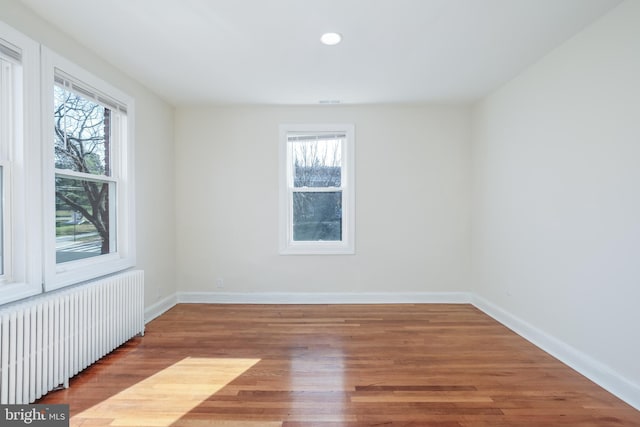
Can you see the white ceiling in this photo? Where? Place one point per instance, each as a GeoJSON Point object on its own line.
{"type": "Point", "coordinates": [268, 51]}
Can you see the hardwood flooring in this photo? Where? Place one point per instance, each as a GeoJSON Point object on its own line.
{"type": "Point", "coordinates": [334, 365]}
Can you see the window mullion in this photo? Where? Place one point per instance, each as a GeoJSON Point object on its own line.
{"type": "Point", "coordinates": [67, 173]}
{"type": "Point", "coordinates": [316, 189]}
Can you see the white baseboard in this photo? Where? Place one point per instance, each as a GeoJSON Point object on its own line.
{"type": "Point", "coordinates": [597, 372]}
{"type": "Point", "coordinates": [159, 308]}
{"type": "Point", "coordinates": [324, 298]}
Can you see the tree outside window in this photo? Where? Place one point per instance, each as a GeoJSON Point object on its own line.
{"type": "Point", "coordinates": [317, 195]}
{"type": "Point", "coordinates": [82, 144]}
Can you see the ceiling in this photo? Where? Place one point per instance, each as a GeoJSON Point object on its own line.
{"type": "Point", "coordinates": [194, 52]}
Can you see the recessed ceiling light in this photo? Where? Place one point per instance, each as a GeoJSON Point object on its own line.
{"type": "Point", "coordinates": [331, 39]}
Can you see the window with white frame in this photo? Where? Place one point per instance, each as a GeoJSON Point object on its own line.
{"type": "Point", "coordinates": [88, 182]}
{"type": "Point", "coordinates": [66, 177]}
{"type": "Point", "coordinates": [20, 206]}
{"type": "Point", "coordinates": [317, 189]}
{"type": "Point", "coordinates": [10, 117]}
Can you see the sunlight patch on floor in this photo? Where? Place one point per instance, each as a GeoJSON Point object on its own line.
{"type": "Point", "coordinates": [162, 399]}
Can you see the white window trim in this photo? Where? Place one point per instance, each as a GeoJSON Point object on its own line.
{"type": "Point", "coordinates": [24, 214]}
{"type": "Point", "coordinates": [287, 246]}
{"type": "Point", "coordinates": [60, 275]}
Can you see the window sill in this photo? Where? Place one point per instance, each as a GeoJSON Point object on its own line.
{"type": "Point", "coordinates": [317, 249]}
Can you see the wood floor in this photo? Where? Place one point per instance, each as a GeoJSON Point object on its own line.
{"type": "Point", "coordinates": [334, 365]}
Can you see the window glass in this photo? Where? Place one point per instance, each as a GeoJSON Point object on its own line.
{"type": "Point", "coordinates": [83, 219]}
{"type": "Point", "coordinates": [82, 133]}
{"type": "Point", "coordinates": [10, 73]}
{"type": "Point", "coordinates": [317, 216]}
{"type": "Point", "coordinates": [317, 162]}
{"type": "Point", "coordinates": [1, 221]}
{"type": "Point", "coordinates": [7, 101]}
{"type": "Point", "coordinates": [82, 144]}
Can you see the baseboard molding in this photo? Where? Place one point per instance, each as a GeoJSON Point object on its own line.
{"type": "Point", "coordinates": [160, 307]}
{"type": "Point", "coordinates": [597, 372]}
{"type": "Point", "coordinates": [325, 298]}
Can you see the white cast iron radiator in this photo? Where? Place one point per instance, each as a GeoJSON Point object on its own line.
{"type": "Point", "coordinates": [48, 339]}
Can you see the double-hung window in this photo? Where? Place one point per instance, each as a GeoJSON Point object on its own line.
{"type": "Point", "coordinates": [317, 189]}
{"type": "Point", "coordinates": [10, 119]}
{"type": "Point", "coordinates": [89, 183]}
{"type": "Point", "coordinates": [20, 231]}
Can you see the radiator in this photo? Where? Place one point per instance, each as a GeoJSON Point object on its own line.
{"type": "Point", "coordinates": [48, 339]}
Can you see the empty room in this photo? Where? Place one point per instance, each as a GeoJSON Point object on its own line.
{"type": "Point", "coordinates": [288, 213]}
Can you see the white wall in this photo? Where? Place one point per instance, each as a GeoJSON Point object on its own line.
{"type": "Point", "coordinates": [155, 216]}
{"type": "Point", "coordinates": [556, 197]}
{"type": "Point", "coordinates": [412, 201]}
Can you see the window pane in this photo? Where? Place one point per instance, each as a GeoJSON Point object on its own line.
{"type": "Point", "coordinates": [316, 162]}
{"type": "Point", "coordinates": [317, 216]}
{"type": "Point", "coordinates": [82, 219]}
{"type": "Point", "coordinates": [1, 220]}
{"type": "Point", "coordinates": [82, 133]}
{"type": "Point", "coordinates": [7, 123]}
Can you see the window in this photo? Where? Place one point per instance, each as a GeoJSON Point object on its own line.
{"type": "Point", "coordinates": [20, 206]}
{"type": "Point", "coordinates": [66, 177]}
{"type": "Point", "coordinates": [317, 189]}
{"type": "Point", "coordinates": [10, 69]}
{"type": "Point", "coordinates": [88, 221]}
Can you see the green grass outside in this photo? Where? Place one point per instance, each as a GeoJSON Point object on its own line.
{"type": "Point", "coordinates": [65, 229]}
